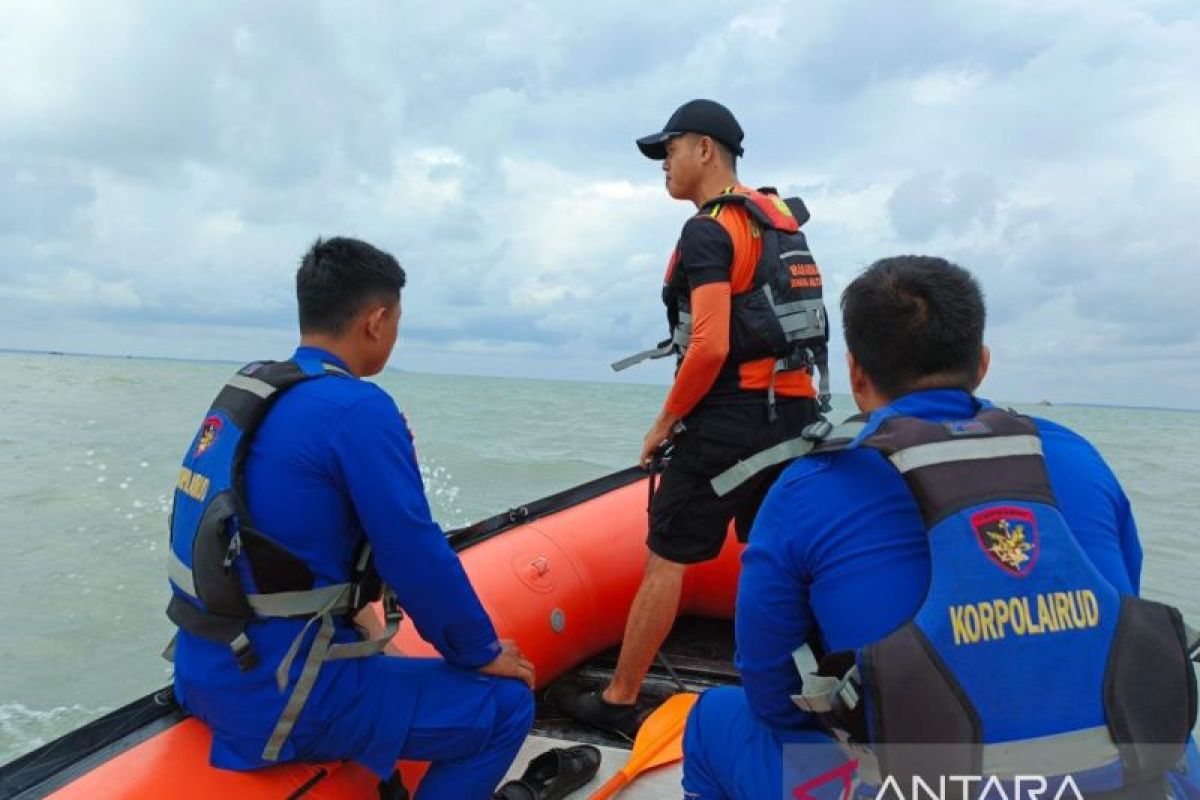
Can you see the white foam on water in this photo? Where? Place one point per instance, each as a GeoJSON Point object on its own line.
{"type": "Point", "coordinates": [23, 729]}
{"type": "Point", "coordinates": [442, 493]}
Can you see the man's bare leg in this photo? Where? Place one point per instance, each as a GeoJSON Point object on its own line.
{"type": "Point", "coordinates": [650, 619]}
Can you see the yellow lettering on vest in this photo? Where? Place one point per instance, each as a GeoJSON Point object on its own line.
{"type": "Point", "coordinates": [1062, 609]}
{"type": "Point", "coordinates": [198, 489]}
{"type": "Point", "coordinates": [971, 623]}
{"type": "Point", "coordinates": [1000, 612]}
{"type": "Point", "coordinates": [1078, 618]}
{"type": "Point", "coordinates": [185, 477]}
{"type": "Point", "coordinates": [956, 624]}
{"type": "Point", "coordinates": [986, 623]}
{"type": "Point", "coordinates": [1046, 614]}
{"type": "Point", "coordinates": [1018, 612]}
{"type": "Point", "coordinates": [1091, 608]}
{"type": "Point", "coordinates": [993, 619]}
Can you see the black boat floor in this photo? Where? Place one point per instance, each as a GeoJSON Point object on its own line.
{"type": "Point", "coordinates": [699, 652]}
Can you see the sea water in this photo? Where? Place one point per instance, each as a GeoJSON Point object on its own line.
{"type": "Point", "coordinates": [90, 449]}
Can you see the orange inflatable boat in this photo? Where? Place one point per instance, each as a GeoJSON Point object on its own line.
{"type": "Point", "coordinates": [557, 575]}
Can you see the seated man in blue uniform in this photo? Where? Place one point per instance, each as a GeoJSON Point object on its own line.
{"type": "Point", "coordinates": [299, 502]}
{"type": "Point", "coordinates": [969, 573]}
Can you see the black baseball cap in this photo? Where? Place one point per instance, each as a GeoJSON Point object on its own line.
{"type": "Point", "coordinates": [706, 117]}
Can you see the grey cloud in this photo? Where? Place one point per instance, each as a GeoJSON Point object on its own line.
{"type": "Point", "coordinates": [932, 201]}
{"type": "Point", "coordinates": [185, 156]}
{"type": "Point", "coordinates": [41, 200]}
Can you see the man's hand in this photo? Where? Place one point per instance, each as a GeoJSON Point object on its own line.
{"type": "Point", "coordinates": [660, 433]}
{"type": "Point", "coordinates": [511, 663]}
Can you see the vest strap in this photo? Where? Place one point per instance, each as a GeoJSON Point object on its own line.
{"type": "Point", "coordinates": [823, 694]}
{"type": "Point", "coordinates": [926, 455]}
{"type": "Point", "coordinates": [320, 652]}
{"type": "Point", "coordinates": [664, 349]}
{"type": "Point", "coordinates": [180, 574]}
{"type": "Point", "coordinates": [229, 631]}
{"type": "Point", "coordinates": [334, 599]}
{"type": "Point", "coordinates": [814, 434]}
{"type": "Point", "coordinates": [681, 336]}
{"type": "Point", "coordinates": [1192, 637]}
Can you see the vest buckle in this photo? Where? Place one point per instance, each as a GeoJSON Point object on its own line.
{"type": "Point", "coordinates": [247, 659]}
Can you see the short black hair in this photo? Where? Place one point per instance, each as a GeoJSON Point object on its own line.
{"type": "Point", "coordinates": [915, 322]}
{"type": "Point", "coordinates": [726, 154]}
{"type": "Point", "coordinates": [338, 277]}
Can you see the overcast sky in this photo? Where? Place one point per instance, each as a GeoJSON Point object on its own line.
{"type": "Point", "coordinates": [164, 165]}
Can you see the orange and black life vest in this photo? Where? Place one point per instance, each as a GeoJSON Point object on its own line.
{"type": "Point", "coordinates": [778, 326]}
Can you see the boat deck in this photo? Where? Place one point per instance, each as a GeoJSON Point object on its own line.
{"type": "Point", "coordinates": [656, 784]}
{"type": "Point", "coordinates": [700, 654]}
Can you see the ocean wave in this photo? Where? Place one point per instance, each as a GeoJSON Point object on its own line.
{"type": "Point", "coordinates": [23, 729]}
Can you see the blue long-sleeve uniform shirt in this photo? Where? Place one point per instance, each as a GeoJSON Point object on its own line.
{"type": "Point", "coordinates": [838, 553]}
{"type": "Point", "coordinates": [333, 462]}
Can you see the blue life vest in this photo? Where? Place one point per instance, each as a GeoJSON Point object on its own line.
{"type": "Point", "coordinates": [225, 573]}
{"type": "Point", "coordinates": [1023, 660]}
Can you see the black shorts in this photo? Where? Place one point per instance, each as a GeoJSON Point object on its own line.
{"type": "Point", "coordinates": [688, 522]}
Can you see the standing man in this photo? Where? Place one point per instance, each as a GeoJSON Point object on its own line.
{"type": "Point", "coordinates": [969, 572]}
{"type": "Point", "coordinates": [298, 495]}
{"type": "Point", "coordinates": [732, 396]}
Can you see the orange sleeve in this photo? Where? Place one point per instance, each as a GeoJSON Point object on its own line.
{"type": "Point", "coordinates": [707, 350]}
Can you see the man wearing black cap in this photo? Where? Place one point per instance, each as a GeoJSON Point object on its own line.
{"type": "Point", "coordinates": [723, 405]}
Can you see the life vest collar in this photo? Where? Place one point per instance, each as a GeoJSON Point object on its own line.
{"type": "Point", "coordinates": [765, 207]}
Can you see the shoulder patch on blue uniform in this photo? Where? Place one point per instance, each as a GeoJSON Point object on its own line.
{"type": "Point", "coordinates": [208, 434]}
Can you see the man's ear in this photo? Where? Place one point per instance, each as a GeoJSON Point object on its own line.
{"type": "Point", "coordinates": [374, 322]}
{"type": "Point", "coordinates": [985, 360]}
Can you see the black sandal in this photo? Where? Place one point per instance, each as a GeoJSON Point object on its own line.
{"type": "Point", "coordinates": [554, 774]}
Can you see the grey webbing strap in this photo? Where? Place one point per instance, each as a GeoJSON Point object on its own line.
{"type": "Point", "coordinates": [817, 697]}
{"type": "Point", "coordinates": [180, 574]}
{"type": "Point", "coordinates": [681, 336]}
{"type": "Point", "coordinates": [786, 450]}
{"type": "Point", "coordinates": [823, 393]}
{"type": "Point", "coordinates": [637, 358]}
{"type": "Point", "coordinates": [320, 652]}
{"type": "Point", "coordinates": [285, 666]}
{"type": "Point", "coordinates": [925, 455]}
{"type": "Point", "coordinates": [772, 415]}
{"type": "Point", "coordinates": [334, 599]}
{"type": "Point", "coordinates": [168, 652]}
{"type": "Point", "coordinates": [1192, 638]}
{"type": "Point", "coordinates": [252, 385]}
{"type": "Point", "coordinates": [1059, 754]}
{"type": "Point", "coordinates": [367, 647]}
{"type": "Point", "coordinates": [821, 692]}
{"type": "Point", "coordinates": [304, 686]}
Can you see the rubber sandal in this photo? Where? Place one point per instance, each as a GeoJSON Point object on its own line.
{"type": "Point", "coordinates": [554, 774]}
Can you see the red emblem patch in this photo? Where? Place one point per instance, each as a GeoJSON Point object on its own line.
{"type": "Point", "coordinates": [1009, 537]}
{"type": "Point", "coordinates": [208, 434]}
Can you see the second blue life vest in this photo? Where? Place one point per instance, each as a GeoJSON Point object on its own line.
{"type": "Point", "coordinates": [1023, 660]}
{"type": "Point", "coordinates": [226, 573]}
